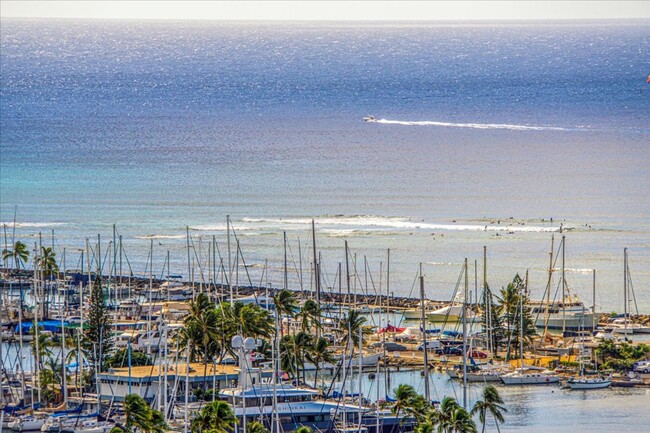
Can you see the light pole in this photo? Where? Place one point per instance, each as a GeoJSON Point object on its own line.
{"type": "Point", "coordinates": [243, 346]}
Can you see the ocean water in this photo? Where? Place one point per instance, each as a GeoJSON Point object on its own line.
{"type": "Point", "coordinates": [485, 132]}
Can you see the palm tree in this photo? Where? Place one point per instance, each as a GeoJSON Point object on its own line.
{"type": "Point", "coordinates": [492, 403]}
{"type": "Point", "coordinates": [461, 422]}
{"type": "Point", "coordinates": [349, 326]}
{"type": "Point", "coordinates": [44, 344]}
{"type": "Point", "coordinates": [304, 343]}
{"type": "Point", "coordinates": [47, 262]}
{"type": "Point", "coordinates": [253, 320]}
{"type": "Point", "coordinates": [404, 395]}
{"type": "Point", "coordinates": [288, 355]}
{"type": "Point", "coordinates": [442, 416]}
{"type": "Point", "coordinates": [320, 352]}
{"type": "Point", "coordinates": [20, 256]}
{"type": "Point", "coordinates": [509, 307]}
{"type": "Point", "coordinates": [201, 330]}
{"type": "Point", "coordinates": [215, 417]}
{"type": "Point", "coordinates": [425, 427]}
{"type": "Point", "coordinates": [256, 427]}
{"type": "Point", "coordinates": [309, 314]}
{"type": "Point", "coordinates": [285, 305]}
{"type": "Point", "coordinates": [137, 412]}
{"type": "Point", "coordinates": [452, 418]}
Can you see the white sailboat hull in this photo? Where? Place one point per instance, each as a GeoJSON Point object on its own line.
{"type": "Point", "coordinates": [530, 379]}
{"type": "Point", "coordinates": [589, 383]}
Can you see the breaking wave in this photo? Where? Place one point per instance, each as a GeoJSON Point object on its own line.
{"type": "Point", "coordinates": [374, 224]}
{"type": "Point", "coordinates": [159, 236]}
{"type": "Point", "coordinates": [31, 225]}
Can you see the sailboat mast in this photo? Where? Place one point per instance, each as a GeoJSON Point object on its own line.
{"type": "Point", "coordinates": [229, 257]}
{"type": "Point", "coordinates": [625, 286]}
{"type": "Point", "coordinates": [465, 341]}
{"type": "Point", "coordinates": [316, 267]}
{"type": "Point", "coordinates": [548, 285]}
{"type": "Point", "coordinates": [286, 276]}
{"type": "Point", "coordinates": [521, 322]}
{"type": "Point", "coordinates": [563, 288]}
{"type": "Point", "coordinates": [347, 273]}
{"type": "Point", "coordinates": [593, 306]}
{"type": "Point", "coordinates": [427, 393]}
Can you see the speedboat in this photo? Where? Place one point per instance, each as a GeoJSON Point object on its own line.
{"type": "Point", "coordinates": [370, 118]}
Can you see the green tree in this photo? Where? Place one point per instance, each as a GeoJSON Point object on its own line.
{"type": "Point", "coordinates": [215, 417]}
{"type": "Point", "coordinates": [425, 427]}
{"type": "Point", "coordinates": [47, 263]}
{"type": "Point", "coordinates": [310, 315]}
{"type": "Point", "coordinates": [349, 327]}
{"type": "Point", "coordinates": [491, 403]}
{"type": "Point", "coordinates": [285, 305]}
{"type": "Point", "coordinates": [620, 356]}
{"type": "Point", "coordinates": [404, 396]}
{"type": "Point", "coordinates": [44, 344]}
{"type": "Point", "coordinates": [443, 416]}
{"type": "Point", "coordinates": [461, 422]}
{"type": "Point", "coordinates": [97, 342]}
{"type": "Point", "coordinates": [319, 353]}
{"type": "Point", "coordinates": [511, 315]}
{"type": "Point", "coordinates": [248, 320]}
{"type": "Point", "coordinates": [256, 427]}
{"type": "Point", "coordinates": [120, 358]}
{"type": "Point", "coordinates": [20, 255]}
{"type": "Point", "coordinates": [139, 415]}
{"type": "Point", "coordinates": [201, 331]}
{"type": "Point", "coordinates": [304, 429]}
{"type": "Point", "coordinates": [496, 333]}
{"type": "Point", "coordinates": [289, 356]}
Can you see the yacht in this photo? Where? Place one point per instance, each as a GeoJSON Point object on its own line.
{"type": "Point", "coordinates": [528, 376]}
{"type": "Point", "coordinates": [570, 314]}
{"type": "Point", "coordinates": [296, 407]}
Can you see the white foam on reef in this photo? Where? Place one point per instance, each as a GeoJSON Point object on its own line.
{"type": "Point", "coordinates": [159, 236]}
{"type": "Point", "coordinates": [31, 225]}
{"type": "Point", "coordinates": [374, 224]}
{"type": "Point", "coordinates": [511, 127]}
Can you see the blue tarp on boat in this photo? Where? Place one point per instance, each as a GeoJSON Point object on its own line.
{"type": "Point", "coordinates": [46, 325]}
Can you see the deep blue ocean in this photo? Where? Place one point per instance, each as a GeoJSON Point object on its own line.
{"type": "Point", "coordinates": [485, 132]}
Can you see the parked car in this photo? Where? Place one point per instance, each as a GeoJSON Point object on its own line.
{"type": "Point", "coordinates": [405, 338]}
{"type": "Point", "coordinates": [389, 346]}
{"type": "Point", "coordinates": [642, 367]}
{"type": "Point", "coordinates": [452, 350]}
{"type": "Point", "coordinates": [431, 345]}
{"type": "Point", "coordinates": [477, 354]}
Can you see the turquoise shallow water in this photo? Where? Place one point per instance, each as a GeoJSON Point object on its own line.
{"type": "Point", "coordinates": [156, 127]}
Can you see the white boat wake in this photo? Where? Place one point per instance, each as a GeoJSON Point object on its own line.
{"type": "Point", "coordinates": [471, 125]}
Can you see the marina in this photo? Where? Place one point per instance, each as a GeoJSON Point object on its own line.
{"type": "Point", "coordinates": [203, 229]}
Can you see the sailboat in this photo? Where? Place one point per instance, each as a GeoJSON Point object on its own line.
{"type": "Point", "coordinates": [582, 382]}
{"type": "Point", "coordinates": [588, 383]}
{"type": "Point", "coordinates": [527, 375]}
{"type": "Point", "coordinates": [568, 313]}
{"type": "Point", "coordinates": [623, 325]}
